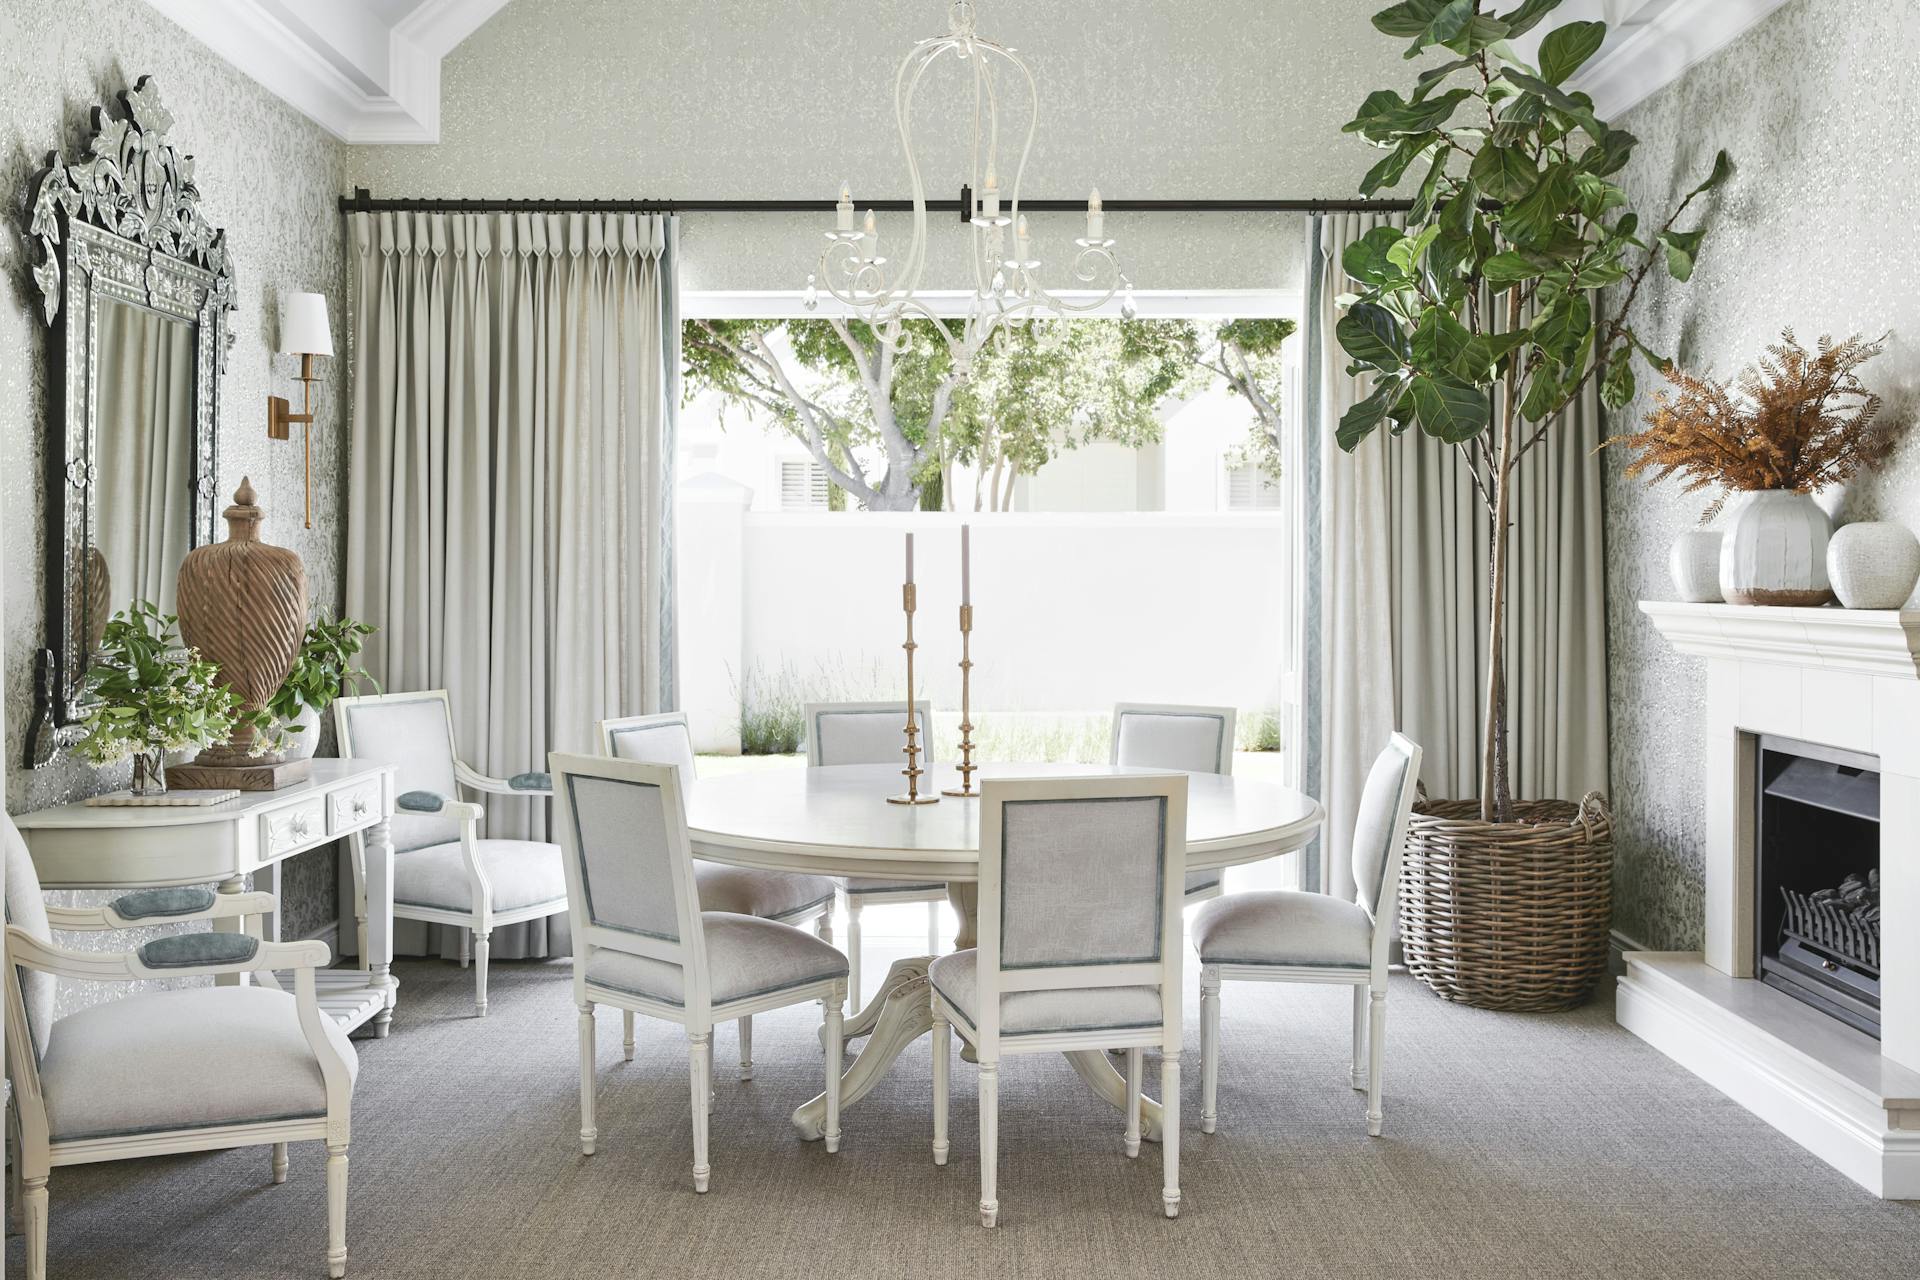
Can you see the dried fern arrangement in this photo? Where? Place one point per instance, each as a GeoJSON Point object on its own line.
{"type": "Point", "coordinates": [1796, 420]}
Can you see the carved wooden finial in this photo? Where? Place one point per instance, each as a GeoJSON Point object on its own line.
{"type": "Point", "coordinates": [244, 517]}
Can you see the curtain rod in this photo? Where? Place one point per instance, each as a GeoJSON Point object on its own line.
{"type": "Point", "coordinates": [363, 201]}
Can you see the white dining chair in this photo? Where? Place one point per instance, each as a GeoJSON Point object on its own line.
{"type": "Point", "coordinates": [204, 1068]}
{"type": "Point", "coordinates": [1153, 735]}
{"type": "Point", "coordinates": [793, 899]}
{"type": "Point", "coordinates": [444, 872]}
{"type": "Point", "coordinates": [1079, 948]}
{"type": "Point", "coordinates": [1286, 936]}
{"type": "Point", "coordinates": [642, 942]}
{"type": "Point", "coordinates": [874, 733]}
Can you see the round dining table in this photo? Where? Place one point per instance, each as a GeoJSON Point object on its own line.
{"type": "Point", "coordinates": [835, 820]}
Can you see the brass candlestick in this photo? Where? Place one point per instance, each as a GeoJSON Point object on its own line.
{"type": "Point", "coordinates": [967, 766]}
{"type": "Point", "coordinates": [913, 771]}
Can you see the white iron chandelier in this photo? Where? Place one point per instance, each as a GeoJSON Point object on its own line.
{"type": "Point", "coordinates": [1006, 288]}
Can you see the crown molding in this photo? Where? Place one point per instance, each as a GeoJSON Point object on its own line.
{"type": "Point", "coordinates": [361, 77]}
{"type": "Point", "coordinates": [1650, 43]}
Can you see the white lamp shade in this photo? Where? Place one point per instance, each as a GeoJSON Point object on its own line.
{"type": "Point", "coordinates": [303, 325]}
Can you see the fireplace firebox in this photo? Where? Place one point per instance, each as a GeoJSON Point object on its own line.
{"type": "Point", "coordinates": [1817, 843]}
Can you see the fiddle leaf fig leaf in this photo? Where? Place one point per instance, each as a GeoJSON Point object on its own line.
{"type": "Point", "coordinates": [1449, 409]}
{"type": "Point", "coordinates": [1370, 334]}
{"type": "Point", "coordinates": [1359, 422]}
{"type": "Point", "coordinates": [1411, 18]}
{"type": "Point", "coordinates": [1367, 259]}
{"type": "Point", "coordinates": [1682, 248]}
{"type": "Point", "coordinates": [1616, 392]}
{"type": "Point", "coordinates": [1390, 170]}
{"type": "Point", "coordinates": [1723, 169]}
{"type": "Point", "coordinates": [1566, 49]}
{"type": "Point", "coordinates": [1531, 220]}
{"type": "Point", "coordinates": [1504, 173]}
{"type": "Point", "coordinates": [1528, 15]}
{"type": "Point", "coordinates": [1512, 267]}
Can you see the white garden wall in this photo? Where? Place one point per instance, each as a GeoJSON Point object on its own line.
{"type": "Point", "coordinates": [1072, 612]}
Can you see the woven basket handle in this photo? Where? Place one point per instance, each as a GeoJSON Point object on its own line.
{"type": "Point", "coordinates": [1593, 806]}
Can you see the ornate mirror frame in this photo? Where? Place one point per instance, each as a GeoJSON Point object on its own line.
{"type": "Point", "coordinates": [123, 222]}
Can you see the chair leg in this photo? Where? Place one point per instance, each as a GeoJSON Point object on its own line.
{"type": "Point", "coordinates": [853, 954]}
{"type": "Point", "coordinates": [933, 927]}
{"type": "Point", "coordinates": [942, 1065]}
{"type": "Point", "coordinates": [279, 1163]}
{"type": "Point", "coordinates": [989, 1142]}
{"type": "Point", "coordinates": [699, 1057]}
{"type": "Point", "coordinates": [836, 1047]}
{"type": "Point", "coordinates": [480, 948]}
{"type": "Point", "coordinates": [336, 1210]}
{"type": "Point", "coordinates": [1359, 1037]}
{"type": "Point", "coordinates": [1209, 1049]}
{"type": "Point", "coordinates": [1376, 1045]}
{"type": "Point", "coordinates": [588, 1131]}
{"type": "Point", "coordinates": [1170, 1132]}
{"type": "Point", "coordinates": [1133, 1102]}
{"type": "Point", "coordinates": [36, 1226]}
{"type": "Point", "coordinates": [626, 1035]}
{"type": "Point", "coordinates": [466, 948]}
{"type": "Point", "coordinates": [746, 1047]}
{"type": "Point", "coordinates": [823, 927]}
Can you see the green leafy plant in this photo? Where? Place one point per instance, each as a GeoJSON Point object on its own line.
{"type": "Point", "coordinates": [1484, 319]}
{"type": "Point", "coordinates": [147, 693]}
{"type": "Point", "coordinates": [323, 670]}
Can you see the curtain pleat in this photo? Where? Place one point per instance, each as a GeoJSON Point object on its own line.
{"type": "Point", "coordinates": [1403, 597]}
{"type": "Point", "coordinates": [507, 479]}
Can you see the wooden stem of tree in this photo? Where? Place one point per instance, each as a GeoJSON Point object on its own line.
{"type": "Point", "coordinates": [1496, 794]}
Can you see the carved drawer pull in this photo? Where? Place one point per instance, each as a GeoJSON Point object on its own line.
{"type": "Point", "coordinates": [298, 826]}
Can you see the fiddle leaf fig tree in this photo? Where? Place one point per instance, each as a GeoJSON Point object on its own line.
{"type": "Point", "coordinates": [1488, 315]}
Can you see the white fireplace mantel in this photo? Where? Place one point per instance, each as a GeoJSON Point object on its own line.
{"type": "Point", "coordinates": [1838, 678]}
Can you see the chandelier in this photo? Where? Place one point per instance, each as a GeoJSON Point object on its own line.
{"type": "Point", "coordinates": [884, 292]}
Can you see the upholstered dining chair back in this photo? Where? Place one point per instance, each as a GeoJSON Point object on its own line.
{"type": "Point", "coordinates": [1162, 736]}
{"type": "Point", "coordinates": [1080, 887]}
{"type": "Point", "coordinates": [657, 739]}
{"type": "Point", "coordinates": [31, 990]}
{"type": "Point", "coordinates": [630, 880]}
{"type": "Point", "coordinates": [414, 733]}
{"type": "Point", "coordinates": [1380, 831]}
{"type": "Point", "coordinates": [866, 732]}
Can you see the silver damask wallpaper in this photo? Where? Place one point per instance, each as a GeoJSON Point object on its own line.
{"type": "Point", "coordinates": [269, 177]}
{"type": "Point", "coordinates": [1815, 232]}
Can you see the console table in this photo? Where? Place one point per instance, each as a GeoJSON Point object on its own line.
{"type": "Point", "coordinates": [79, 846]}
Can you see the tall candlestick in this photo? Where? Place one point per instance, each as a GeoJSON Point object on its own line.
{"type": "Point", "coordinates": [967, 766]}
{"type": "Point", "coordinates": [966, 564]}
{"type": "Point", "coordinates": [909, 559]}
{"type": "Point", "coordinates": [913, 771]}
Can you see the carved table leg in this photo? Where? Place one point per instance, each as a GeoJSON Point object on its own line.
{"type": "Point", "coordinates": [1093, 1067]}
{"type": "Point", "coordinates": [379, 950]}
{"type": "Point", "coordinates": [902, 1016]}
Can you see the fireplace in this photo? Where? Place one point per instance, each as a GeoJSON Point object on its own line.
{"type": "Point", "coordinates": [1817, 906]}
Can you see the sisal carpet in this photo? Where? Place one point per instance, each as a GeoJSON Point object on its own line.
{"type": "Point", "coordinates": [1516, 1146]}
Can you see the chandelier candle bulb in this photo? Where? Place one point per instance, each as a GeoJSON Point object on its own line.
{"type": "Point", "coordinates": [872, 233]}
{"type": "Point", "coordinates": [1025, 238]}
{"type": "Point", "coordinates": [843, 212]}
{"type": "Point", "coordinates": [1096, 217]}
{"type": "Point", "coordinates": [991, 196]}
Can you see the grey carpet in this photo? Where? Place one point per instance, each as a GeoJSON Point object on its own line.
{"type": "Point", "coordinates": [1523, 1146]}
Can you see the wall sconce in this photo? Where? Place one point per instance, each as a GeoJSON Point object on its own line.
{"type": "Point", "coordinates": [304, 332]}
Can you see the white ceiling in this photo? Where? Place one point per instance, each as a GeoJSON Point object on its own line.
{"type": "Point", "coordinates": [369, 70]}
{"type": "Point", "coordinates": [366, 70]}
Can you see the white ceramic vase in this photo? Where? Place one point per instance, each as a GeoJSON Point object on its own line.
{"type": "Point", "coordinates": [302, 745]}
{"type": "Point", "coordinates": [1873, 564]}
{"type": "Point", "coordinates": [1775, 550]}
{"type": "Point", "coordinates": [1694, 562]}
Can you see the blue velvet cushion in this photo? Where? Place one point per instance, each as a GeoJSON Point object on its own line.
{"type": "Point", "coordinates": [143, 904]}
{"type": "Point", "coordinates": [421, 801]}
{"type": "Point", "coordinates": [531, 782]}
{"type": "Point", "coordinates": [188, 950]}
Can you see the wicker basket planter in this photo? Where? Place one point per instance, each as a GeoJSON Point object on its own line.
{"type": "Point", "coordinates": [1508, 915]}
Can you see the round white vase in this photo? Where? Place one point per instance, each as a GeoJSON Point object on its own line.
{"type": "Point", "coordinates": [1775, 550]}
{"type": "Point", "coordinates": [1873, 564]}
{"type": "Point", "coordinates": [1694, 563]}
{"type": "Point", "coordinates": [302, 745]}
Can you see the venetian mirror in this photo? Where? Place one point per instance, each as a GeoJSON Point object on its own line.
{"type": "Point", "coordinates": [136, 288]}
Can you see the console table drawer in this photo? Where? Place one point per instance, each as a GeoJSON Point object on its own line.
{"type": "Point", "coordinates": [293, 827]}
{"type": "Point", "coordinates": [351, 808]}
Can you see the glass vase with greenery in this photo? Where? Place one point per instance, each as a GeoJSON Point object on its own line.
{"type": "Point", "coordinates": [1483, 319]}
{"type": "Point", "coordinates": [147, 694]}
{"type": "Point", "coordinates": [323, 670]}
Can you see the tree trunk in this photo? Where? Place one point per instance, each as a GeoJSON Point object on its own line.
{"type": "Point", "coordinates": [1496, 793]}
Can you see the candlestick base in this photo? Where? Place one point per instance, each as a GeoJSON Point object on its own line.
{"type": "Point", "coordinates": [913, 799]}
{"type": "Point", "coordinates": [963, 793]}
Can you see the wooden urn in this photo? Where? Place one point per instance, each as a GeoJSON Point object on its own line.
{"type": "Point", "coordinates": [243, 605]}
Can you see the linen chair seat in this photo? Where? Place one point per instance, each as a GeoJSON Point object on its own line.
{"type": "Point", "coordinates": [1281, 927]}
{"type": "Point", "coordinates": [746, 956]}
{"type": "Point", "coordinates": [957, 978]}
{"type": "Point", "coordinates": [522, 873]}
{"type": "Point", "coordinates": [772, 894]}
{"type": "Point", "coordinates": [141, 1063]}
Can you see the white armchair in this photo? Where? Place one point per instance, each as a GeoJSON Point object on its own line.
{"type": "Point", "coordinates": [1163, 736]}
{"type": "Point", "coordinates": [664, 738]}
{"type": "Point", "coordinates": [444, 872]}
{"type": "Point", "coordinates": [1283, 936]}
{"type": "Point", "coordinates": [200, 1069]}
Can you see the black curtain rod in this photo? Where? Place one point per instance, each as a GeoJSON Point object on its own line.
{"type": "Point", "coordinates": [363, 201]}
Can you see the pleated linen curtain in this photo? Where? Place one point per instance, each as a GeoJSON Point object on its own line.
{"type": "Point", "coordinates": [1400, 611]}
{"type": "Point", "coordinates": [509, 497]}
{"type": "Point", "coordinates": [144, 518]}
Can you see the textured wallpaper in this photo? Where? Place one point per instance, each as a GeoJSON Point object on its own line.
{"type": "Point", "coordinates": [266, 175]}
{"type": "Point", "coordinates": [1821, 110]}
{"type": "Point", "coordinates": [1146, 99]}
